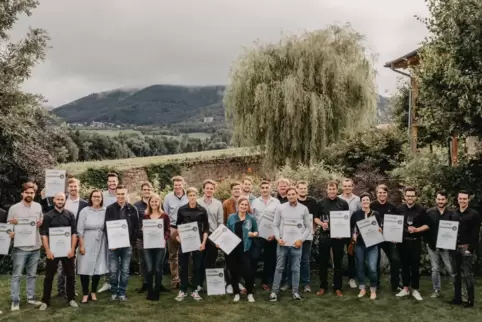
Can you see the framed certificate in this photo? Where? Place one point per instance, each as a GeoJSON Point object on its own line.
{"type": "Point", "coordinates": [60, 241]}
{"type": "Point", "coordinates": [54, 182]}
{"type": "Point", "coordinates": [370, 231]}
{"type": "Point", "coordinates": [393, 228]}
{"type": "Point", "coordinates": [447, 234]}
{"type": "Point", "coordinates": [340, 224]}
{"type": "Point", "coordinates": [5, 240]}
{"type": "Point", "coordinates": [190, 237]}
{"type": "Point", "coordinates": [153, 233]}
{"type": "Point", "coordinates": [265, 228]}
{"type": "Point", "coordinates": [225, 238]}
{"type": "Point", "coordinates": [215, 281]}
{"type": "Point", "coordinates": [292, 231]}
{"type": "Point", "coordinates": [25, 232]}
{"type": "Point", "coordinates": [118, 234]}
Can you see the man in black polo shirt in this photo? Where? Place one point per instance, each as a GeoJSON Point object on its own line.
{"type": "Point", "coordinates": [410, 251]}
{"type": "Point", "coordinates": [467, 240]}
{"type": "Point", "coordinates": [59, 217]}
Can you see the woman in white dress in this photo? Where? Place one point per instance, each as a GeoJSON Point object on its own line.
{"type": "Point", "coordinates": [92, 252]}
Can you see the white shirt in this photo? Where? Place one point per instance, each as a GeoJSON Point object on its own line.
{"type": "Point", "coordinates": [72, 206]}
{"type": "Point", "coordinates": [260, 208]}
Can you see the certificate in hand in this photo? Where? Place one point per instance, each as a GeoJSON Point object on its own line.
{"type": "Point", "coordinates": [225, 238]}
{"type": "Point", "coordinates": [215, 281]}
{"type": "Point", "coordinates": [25, 232]}
{"type": "Point", "coordinates": [292, 231]}
{"type": "Point", "coordinates": [447, 234]}
{"type": "Point", "coordinates": [60, 241]}
{"type": "Point", "coordinates": [190, 238]}
{"type": "Point", "coordinates": [370, 231]}
{"type": "Point", "coordinates": [265, 228]}
{"type": "Point", "coordinates": [153, 233]}
{"type": "Point", "coordinates": [5, 240]}
{"type": "Point", "coordinates": [312, 231]}
{"type": "Point", "coordinates": [118, 234]}
{"type": "Point", "coordinates": [54, 182]}
{"type": "Point", "coordinates": [393, 228]}
{"type": "Point", "coordinates": [340, 224]}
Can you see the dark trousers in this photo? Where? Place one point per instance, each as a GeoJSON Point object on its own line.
{"type": "Point", "coordinates": [463, 267]}
{"type": "Point", "coordinates": [61, 278]}
{"type": "Point", "coordinates": [154, 261]}
{"type": "Point", "coordinates": [410, 252]}
{"type": "Point", "coordinates": [84, 280]}
{"type": "Point", "coordinates": [390, 250]}
{"type": "Point", "coordinates": [267, 249]}
{"type": "Point", "coordinates": [210, 255]}
{"type": "Point", "coordinates": [240, 265]}
{"type": "Point", "coordinates": [351, 261]}
{"type": "Point", "coordinates": [51, 269]}
{"type": "Point", "coordinates": [338, 245]}
{"type": "Point", "coordinates": [139, 256]}
{"type": "Point", "coordinates": [184, 259]}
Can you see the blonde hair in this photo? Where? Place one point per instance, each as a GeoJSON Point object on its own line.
{"type": "Point", "coordinates": [73, 180]}
{"type": "Point", "coordinates": [177, 179]}
{"type": "Point", "coordinates": [192, 189]}
{"type": "Point", "coordinates": [283, 180]}
{"type": "Point", "coordinates": [149, 208]}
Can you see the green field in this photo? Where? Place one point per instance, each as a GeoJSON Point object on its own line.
{"type": "Point", "coordinates": [114, 132]}
{"type": "Point", "coordinates": [386, 308]}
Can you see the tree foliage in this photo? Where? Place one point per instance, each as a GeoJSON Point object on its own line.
{"type": "Point", "coordinates": [301, 94]}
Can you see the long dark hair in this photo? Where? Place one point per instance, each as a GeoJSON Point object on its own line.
{"type": "Point", "coordinates": [101, 197]}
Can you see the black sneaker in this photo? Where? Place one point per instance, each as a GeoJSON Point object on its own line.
{"type": "Point", "coordinates": [469, 304]}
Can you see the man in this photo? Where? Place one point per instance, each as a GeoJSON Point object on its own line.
{"type": "Point", "coordinates": [28, 256]}
{"type": "Point", "coordinates": [331, 203]}
{"type": "Point", "coordinates": [282, 186]}
{"type": "Point", "coordinates": [353, 205]}
{"type": "Point", "coordinates": [295, 213]}
{"type": "Point", "coordinates": [59, 217]}
{"type": "Point", "coordinates": [247, 189]}
{"type": "Point", "coordinates": [467, 241]}
{"type": "Point", "coordinates": [172, 202]}
{"type": "Point", "coordinates": [141, 205]}
{"type": "Point", "coordinates": [214, 208]}
{"type": "Point", "coordinates": [440, 212]}
{"type": "Point", "coordinates": [383, 207]}
{"type": "Point", "coordinates": [191, 212]}
{"type": "Point", "coordinates": [416, 223]}
{"type": "Point", "coordinates": [265, 206]}
{"type": "Point", "coordinates": [120, 258]}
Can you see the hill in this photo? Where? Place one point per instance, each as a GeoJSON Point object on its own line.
{"type": "Point", "coordinates": [157, 104]}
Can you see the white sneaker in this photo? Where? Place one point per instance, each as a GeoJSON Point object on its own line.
{"type": "Point", "coordinates": [403, 293]}
{"type": "Point", "coordinates": [285, 287]}
{"type": "Point", "coordinates": [236, 298]}
{"type": "Point", "coordinates": [199, 289]}
{"type": "Point", "coordinates": [251, 298]}
{"type": "Point", "coordinates": [229, 289]}
{"type": "Point", "coordinates": [307, 289]}
{"type": "Point", "coordinates": [180, 296]}
{"type": "Point", "coordinates": [416, 295]}
{"type": "Point", "coordinates": [43, 307]}
{"type": "Point", "coordinates": [241, 287]}
{"type": "Point", "coordinates": [33, 302]}
{"type": "Point", "coordinates": [15, 306]}
{"type": "Point", "coordinates": [352, 283]}
{"type": "Point", "coordinates": [72, 303]}
{"type": "Point", "coordinates": [195, 295]}
{"type": "Point", "coordinates": [104, 288]}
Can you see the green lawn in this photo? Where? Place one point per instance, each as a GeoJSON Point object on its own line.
{"type": "Point", "coordinates": [327, 308]}
{"type": "Point", "coordinates": [114, 132]}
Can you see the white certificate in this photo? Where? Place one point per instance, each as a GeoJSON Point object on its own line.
{"type": "Point", "coordinates": [190, 237]}
{"type": "Point", "coordinates": [447, 234]}
{"type": "Point", "coordinates": [225, 238]}
{"type": "Point", "coordinates": [153, 233]}
{"type": "Point", "coordinates": [118, 234]}
{"type": "Point", "coordinates": [292, 231]}
{"type": "Point", "coordinates": [340, 224]}
{"type": "Point", "coordinates": [60, 241]}
{"type": "Point", "coordinates": [393, 228]}
{"type": "Point", "coordinates": [54, 182]}
{"type": "Point", "coordinates": [370, 231]}
{"type": "Point", "coordinates": [312, 231]}
{"type": "Point", "coordinates": [25, 232]}
{"type": "Point", "coordinates": [265, 228]}
{"type": "Point", "coordinates": [5, 240]}
{"type": "Point", "coordinates": [215, 281]}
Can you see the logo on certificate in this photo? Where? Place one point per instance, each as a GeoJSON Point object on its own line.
{"type": "Point", "coordinates": [399, 222]}
{"type": "Point", "coordinates": [159, 226]}
{"type": "Point", "coordinates": [346, 217]}
{"type": "Point", "coordinates": [224, 229]}
{"type": "Point", "coordinates": [124, 226]}
{"type": "Point", "coordinates": [62, 176]}
{"type": "Point", "coordinates": [9, 231]}
{"type": "Point", "coordinates": [221, 274]}
{"type": "Point", "coordinates": [299, 226]}
{"type": "Point", "coordinates": [374, 223]}
{"type": "Point", "coordinates": [67, 234]}
{"type": "Point", "coordinates": [454, 228]}
{"type": "Point", "coordinates": [194, 228]}
{"type": "Point", "coordinates": [32, 223]}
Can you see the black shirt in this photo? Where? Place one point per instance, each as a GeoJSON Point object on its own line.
{"type": "Point", "coordinates": [199, 214]}
{"type": "Point", "coordinates": [130, 214]}
{"type": "Point", "coordinates": [434, 217]}
{"type": "Point", "coordinates": [383, 209]}
{"type": "Point", "coordinates": [55, 219]}
{"type": "Point", "coordinates": [311, 204]}
{"type": "Point", "coordinates": [326, 205]}
{"type": "Point", "coordinates": [469, 227]}
{"type": "Point", "coordinates": [419, 218]}
{"type": "Point", "coordinates": [141, 207]}
{"type": "Point", "coordinates": [360, 215]}
{"type": "Point", "coordinates": [282, 199]}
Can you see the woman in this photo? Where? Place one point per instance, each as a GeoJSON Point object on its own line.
{"type": "Point", "coordinates": [239, 260]}
{"type": "Point", "coordinates": [154, 257]}
{"type": "Point", "coordinates": [92, 251]}
{"type": "Point", "coordinates": [363, 253]}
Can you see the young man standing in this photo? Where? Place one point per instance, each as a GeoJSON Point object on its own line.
{"type": "Point", "coordinates": [120, 258]}
{"type": "Point", "coordinates": [296, 213]}
{"type": "Point", "coordinates": [191, 212]}
{"type": "Point", "coordinates": [25, 257]}
{"type": "Point", "coordinates": [247, 189]}
{"type": "Point", "coordinates": [467, 241]}
{"type": "Point", "coordinates": [416, 223]}
{"type": "Point", "coordinates": [172, 202]}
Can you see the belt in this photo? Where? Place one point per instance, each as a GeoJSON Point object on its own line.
{"type": "Point", "coordinates": [411, 238]}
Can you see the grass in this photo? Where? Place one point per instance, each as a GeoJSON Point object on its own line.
{"type": "Point", "coordinates": [220, 308]}
{"type": "Point", "coordinates": [114, 132]}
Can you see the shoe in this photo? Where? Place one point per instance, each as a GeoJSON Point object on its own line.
{"type": "Point", "coordinates": [373, 295]}
{"type": "Point", "coordinates": [93, 297]}
{"type": "Point", "coordinates": [297, 297]}
{"type": "Point", "coordinates": [416, 295]}
{"type": "Point", "coordinates": [34, 303]}
{"type": "Point", "coordinates": [122, 298]}
{"type": "Point", "coordinates": [241, 287]}
{"type": "Point", "coordinates": [15, 306]}
{"type": "Point", "coordinates": [362, 293]}
{"type": "Point", "coordinates": [180, 296]}
{"type": "Point", "coordinates": [229, 289]}
{"type": "Point", "coordinates": [265, 287]}
{"type": "Point", "coordinates": [85, 299]}
{"type": "Point", "coordinates": [143, 289]}
{"type": "Point", "coordinates": [455, 302]}
{"type": "Point", "coordinates": [403, 293]}
{"type": "Point", "coordinates": [469, 304]}
{"type": "Point", "coordinates": [43, 307]}
{"type": "Point", "coordinates": [285, 287]}
{"type": "Point", "coordinates": [113, 298]}
{"type": "Point", "coordinates": [199, 289]}
{"type": "Point", "coordinates": [72, 303]}
{"type": "Point", "coordinates": [307, 289]}
{"type": "Point", "coordinates": [104, 288]}
{"type": "Point", "coordinates": [273, 297]}
{"type": "Point", "coordinates": [76, 293]}
{"type": "Point", "coordinates": [352, 283]}
{"type": "Point", "coordinates": [321, 292]}
{"type": "Point", "coordinates": [195, 295]}
{"type": "Point", "coordinates": [163, 289]}
{"type": "Point", "coordinates": [435, 294]}
{"type": "Point", "coordinates": [251, 298]}
{"type": "Point", "coordinates": [236, 299]}
{"type": "Point", "coordinates": [338, 293]}
{"type": "Point", "coordinates": [396, 289]}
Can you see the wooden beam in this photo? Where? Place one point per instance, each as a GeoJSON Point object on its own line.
{"type": "Point", "coordinates": [413, 116]}
{"type": "Point", "coordinates": [454, 150]}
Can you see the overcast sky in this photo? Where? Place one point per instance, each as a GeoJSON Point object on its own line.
{"type": "Point", "coordinates": [100, 45]}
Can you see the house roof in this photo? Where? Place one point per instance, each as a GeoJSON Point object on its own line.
{"type": "Point", "coordinates": [412, 58]}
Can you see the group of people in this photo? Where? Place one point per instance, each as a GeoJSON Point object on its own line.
{"type": "Point", "coordinates": [286, 261]}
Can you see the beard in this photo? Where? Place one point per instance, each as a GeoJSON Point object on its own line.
{"type": "Point", "coordinates": [28, 199]}
{"type": "Point", "coordinates": [60, 205]}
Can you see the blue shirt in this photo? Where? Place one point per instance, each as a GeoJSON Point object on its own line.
{"type": "Point", "coordinates": [249, 225]}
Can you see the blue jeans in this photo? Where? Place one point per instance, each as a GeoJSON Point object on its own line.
{"type": "Point", "coordinates": [304, 266]}
{"type": "Point", "coordinates": [370, 255]}
{"type": "Point", "coordinates": [119, 261]}
{"type": "Point", "coordinates": [154, 262]}
{"type": "Point", "coordinates": [435, 256]}
{"type": "Point", "coordinates": [283, 254]}
{"type": "Point", "coordinates": [24, 259]}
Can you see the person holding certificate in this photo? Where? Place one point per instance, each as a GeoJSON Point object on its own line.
{"type": "Point", "coordinates": [416, 223]}
{"type": "Point", "coordinates": [192, 212]}
{"type": "Point", "coordinates": [59, 217]}
{"type": "Point", "coordinates": [291, 227]}
{"type": "Point", "coordinates": [26, 216]}
{"type": "Point", "coordinates": [239, 260]}
{"type": "Point", "coordinates": [365, 255]}
{"type": "Point", "coordinates": [154, 257]}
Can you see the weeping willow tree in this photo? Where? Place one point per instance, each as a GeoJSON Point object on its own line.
{"type": "Point", "coordinates": [296, 97]}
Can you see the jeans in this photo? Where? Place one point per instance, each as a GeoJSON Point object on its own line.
{"type": "Point", "coordinates": [464, 268]}
{"type": "Point", "coordinates": [140, 260]}
{"type": "Point", "coordinates": [119, 262]}
{"type": "Point", "coordinates": [24, 259]}
{"type": "Point", "coordinates": [435, 256]}
{"type": "Point", "coordinates": [410, 253]}
{"type": "Point", "coordinates": [154, 262]}
{"type": "Point", "coordinates": [173, 248]}
{"type": "Point", "coordinates": [337, 245]}
{"type": "Point", "coordinates": [239, 263]}
{"type": "Point", "coordinates": [50, 270]}
{"type": "Point", "coordinates": [390, 249]}
{"type": "Point", "coordinates": [304, 266]}
{"type": "Point", "coordinates": [370, 255]}
{"type": "Point", "coordinates": [61, 278]}
{"type": "Point", "coordinates": [283, 253]}
{"type": "Point", "coordinates": [84, 280]}
{"type": "Point", "coordinates": [184, 259]}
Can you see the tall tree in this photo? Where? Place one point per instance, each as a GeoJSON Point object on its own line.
{"type": "Point", "coordinates": [301, 94]}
